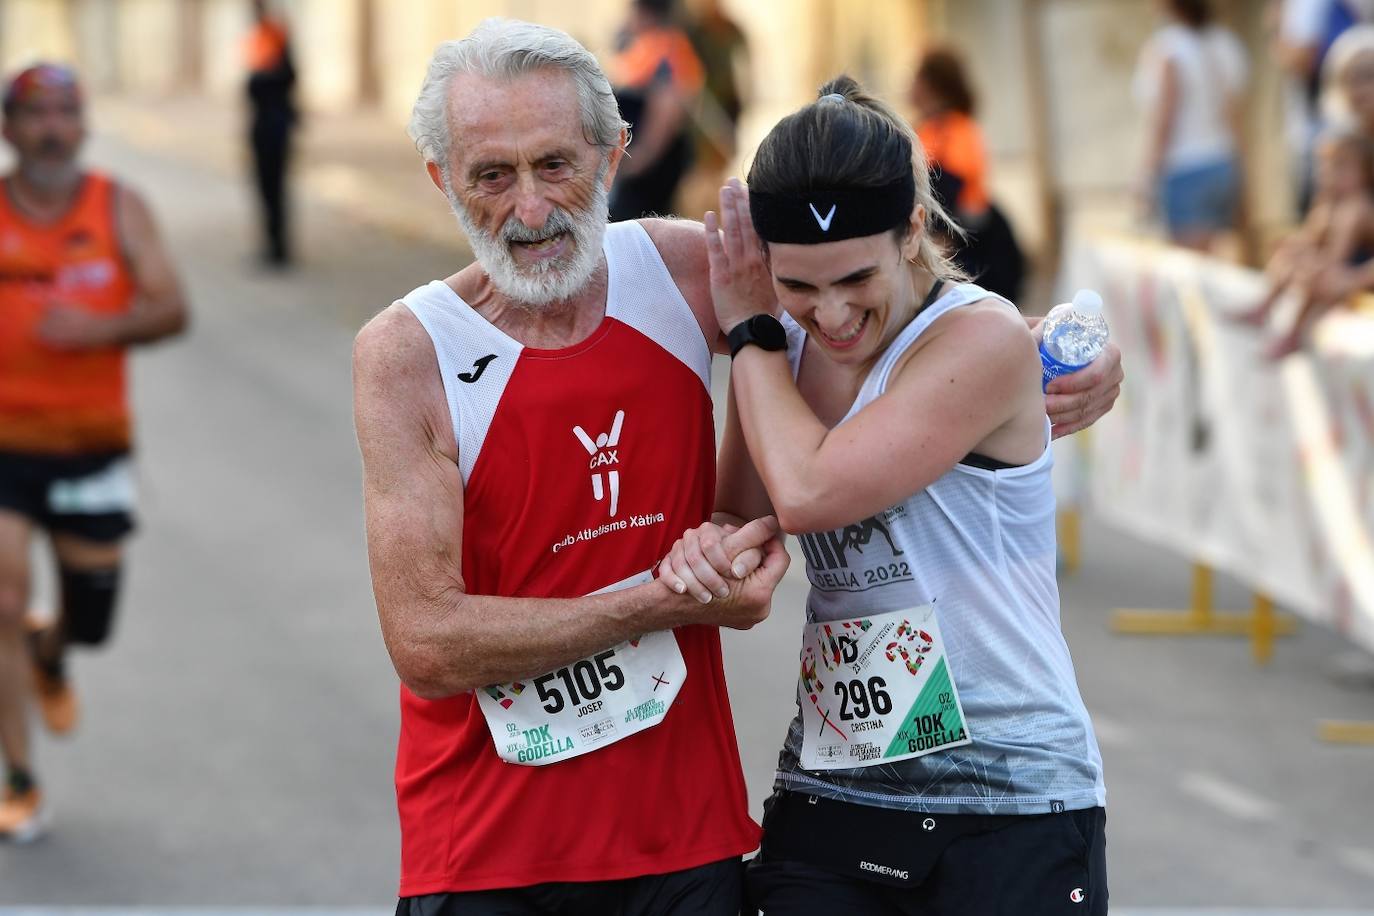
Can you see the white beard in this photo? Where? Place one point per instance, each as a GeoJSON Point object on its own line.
{"type": "Point", "coordinates": [547, 282]}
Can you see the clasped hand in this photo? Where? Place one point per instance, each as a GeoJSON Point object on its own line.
{"type": "Point", "coordinates": [732, 569]}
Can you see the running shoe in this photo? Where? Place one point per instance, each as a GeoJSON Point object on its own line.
{"type": "Point", "coordinates": [56, 698]}
{"type": "Point", "coordinates": [23, 816]}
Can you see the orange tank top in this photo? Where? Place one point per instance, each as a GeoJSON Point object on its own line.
{"type": "Point", "coordinates": [54, 401]}
{"type": "Point", "coordinates": [954, 142]}
{"type": "Point", "coordinates": [639, 63]}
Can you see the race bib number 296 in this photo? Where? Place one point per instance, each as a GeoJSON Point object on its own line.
{"type": "Point", "coordinates": [589, 704]}
{"type": "Point", "coordinates": [876, 690]}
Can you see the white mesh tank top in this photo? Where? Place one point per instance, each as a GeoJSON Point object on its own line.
{"type": "Point", "coordinates": [980, 546]}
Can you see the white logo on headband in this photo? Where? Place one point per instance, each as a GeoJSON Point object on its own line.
{"type": "Point", "coordinates": [823, 223]}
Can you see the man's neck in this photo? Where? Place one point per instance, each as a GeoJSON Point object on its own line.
{"type": "Point", "coordinates": [44, 201]}
{"type": "Point", "coordinates": [545, 327]}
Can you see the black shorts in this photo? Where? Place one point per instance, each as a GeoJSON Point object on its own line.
{"type": "Point", "coordinates": [708, 890]}
{"type": "Point", "coordinates": [854, 860]}
{"type": "Point", "coordinates": [90, 496]}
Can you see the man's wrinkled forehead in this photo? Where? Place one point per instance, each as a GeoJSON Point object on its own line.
{"type": "Point", "coordinates": [520, 114]}
{"type": "Point", "coordinates": [39, 82]}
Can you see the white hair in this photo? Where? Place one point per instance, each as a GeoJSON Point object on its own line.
{"type": "Point", "coordinates": [504, 48]}
{"type": "Point", "coordinates": [1354, 43]}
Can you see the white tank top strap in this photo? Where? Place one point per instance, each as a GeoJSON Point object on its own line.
{"type": "Point", "coordinates": [796, 342]}
{"type": "Point", "coordinates": [951, 298]}
{"type": "Point", "coordinates": [468, 348]}
{"type": "Point", "coordinates": [876, 383]}
{"type": "Point", "coordinates": [642, 293]}
{"type": "Point", "coordinates": [439, 307]}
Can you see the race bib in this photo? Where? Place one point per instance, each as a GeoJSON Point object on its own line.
{"type": "Point", "coordinates": [107, 490]}
{"type": "Point", "coordinates": [590, 704]}
{"type": "Point", "coordinates": [877, 690]}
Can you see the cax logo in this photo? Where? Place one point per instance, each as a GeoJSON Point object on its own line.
{"type": "Point", "coordinates": [604, 455]}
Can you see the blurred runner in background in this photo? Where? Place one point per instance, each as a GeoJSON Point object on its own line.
{"type": "Point", "coordinates": [83, 276]}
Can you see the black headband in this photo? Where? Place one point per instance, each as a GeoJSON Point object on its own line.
{"type": "Point", "coordinates": [813, 217]}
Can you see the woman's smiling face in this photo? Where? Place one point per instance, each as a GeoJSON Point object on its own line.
{"type": "Point", "coordinates": [851, 296]}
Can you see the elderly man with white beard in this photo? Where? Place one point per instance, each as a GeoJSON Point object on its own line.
{"type": "Point", "coordinates": [536, 432]}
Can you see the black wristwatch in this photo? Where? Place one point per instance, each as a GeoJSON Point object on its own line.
{"type": "Point", "coordinates": [763, 331]}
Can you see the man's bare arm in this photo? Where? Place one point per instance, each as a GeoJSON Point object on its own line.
{"type": "Point", "coordinates": [159, 310]}
{"type": "Point", "coordinates": [443, 640]}
{"type": "Point", "coordinates": [679, 243]}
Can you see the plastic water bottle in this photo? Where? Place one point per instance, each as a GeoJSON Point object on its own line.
{"type": "Point", "coordinates": [1074, 334]}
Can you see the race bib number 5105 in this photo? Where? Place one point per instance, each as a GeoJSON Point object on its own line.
{"type": "Point", "coordinates": [589, 704]}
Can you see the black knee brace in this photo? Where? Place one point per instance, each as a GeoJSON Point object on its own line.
{"type": "Point", "coordinates": [88, 604]}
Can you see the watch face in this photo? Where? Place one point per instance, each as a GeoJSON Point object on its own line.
{"type": "Point", "coordinates": [768, 331]}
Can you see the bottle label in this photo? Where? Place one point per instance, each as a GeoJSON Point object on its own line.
{"type": "Point", "coordinates": [1052, 368]}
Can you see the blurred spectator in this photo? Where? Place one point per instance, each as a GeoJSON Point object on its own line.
{"type": "Point", "coordinates": [1348, 98]}
{"type": "Point", "coordinates": [953, 142]}
{"type": "Point", "coordinates": [724, 53]}
{"type": "Point", "coordinates": [1306, 31]}
{"type": "Point", "coordinates": [657, 77]}
{"type": "Point", "coordinates": [271, 85]}
{"type": "Point", "coordinates": [1347, 95]}
{"type": "Point", "coordinates": [1191, 77]}
{"type": "Point", "coordinates": [1337, 233]}
{"type": "Point", "coordinates": [83, 277]}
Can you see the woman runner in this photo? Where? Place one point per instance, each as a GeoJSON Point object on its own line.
{"type": "Point", "coordinates": [942, 760]}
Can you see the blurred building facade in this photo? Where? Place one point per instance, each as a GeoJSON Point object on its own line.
{"type": "Point", "coordinates": [1053, 76]}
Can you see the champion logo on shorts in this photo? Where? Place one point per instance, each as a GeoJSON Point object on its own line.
{"type": "Point", "coordinates": [1077, 895]}
{"type": "Point", "coordinates": [604, 454]}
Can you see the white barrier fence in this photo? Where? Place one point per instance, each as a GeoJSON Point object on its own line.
{"type": "Point", "coordinates": [1263, 470]}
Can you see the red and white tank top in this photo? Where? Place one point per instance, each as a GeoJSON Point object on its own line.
{"type": "Point", "coordinates": [557, 506]}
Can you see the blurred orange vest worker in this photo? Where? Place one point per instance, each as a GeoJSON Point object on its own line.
{"type": "Point", "coordinates": [264, 46]}
{"type": "Point", "coordinates": [54, 401]}
{"type": "Point", "coordinates": [954, 142]}
{"type": "Point", "coordinates": [639, 64]}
